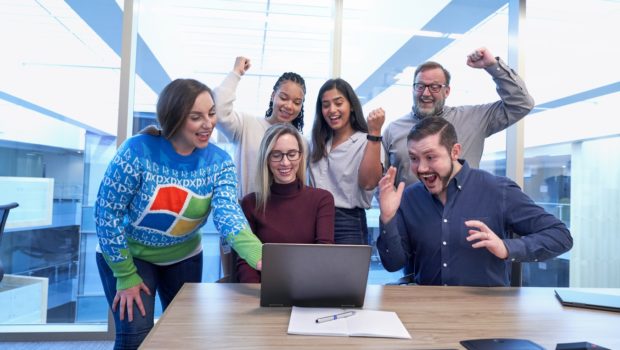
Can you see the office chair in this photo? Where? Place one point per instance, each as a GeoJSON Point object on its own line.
{"type": "Point", "coordinates": [228, 261]}
{"type": "Point", "coordinates": [405, 280]}
{"type": "Point", "coordinates": [516, 279]}
{"type": "Point", "coordinates": [4, 214]}
{"type": "Point", "coordinates": [515, 275]}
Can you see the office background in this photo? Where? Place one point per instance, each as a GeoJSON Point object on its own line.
{"type": "Point", "coordinates": [60, 98]}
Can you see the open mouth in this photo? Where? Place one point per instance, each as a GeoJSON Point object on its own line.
{"type": "Point", "coordinates": [428, 179]}
{"type": "Point", "coordinates": [426, 100]}
{"type": "Point", "coordinates": [203, 136]}
{"type": "Point", "coordinates": [333, 119]}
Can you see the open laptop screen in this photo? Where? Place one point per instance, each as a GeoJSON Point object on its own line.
{"type": "Point", "coordinates": [314, 275]}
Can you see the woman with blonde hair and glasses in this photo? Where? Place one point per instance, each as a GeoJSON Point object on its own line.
{"type": "Point", "coordinates": [284, 209]}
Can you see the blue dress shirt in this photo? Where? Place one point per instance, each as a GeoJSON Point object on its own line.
{"type": "Point", "coordinates": [433, 235]}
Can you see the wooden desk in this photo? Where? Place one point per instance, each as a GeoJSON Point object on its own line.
{"type": "Point", "coordinates": [228, 316]}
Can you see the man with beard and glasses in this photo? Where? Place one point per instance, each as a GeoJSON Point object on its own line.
{"type": "Point", "coordinates": [454, 225]}
{"type": "Point", "coordinates": [431, 88]}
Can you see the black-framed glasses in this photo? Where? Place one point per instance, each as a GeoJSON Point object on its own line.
{"type": "Point", "coordinates": [435, 88]}
{"type": "Point", "coordinates": [292, 155]}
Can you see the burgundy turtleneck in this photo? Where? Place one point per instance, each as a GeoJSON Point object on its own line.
{"type": "Point", "coordinates": [294, 214]}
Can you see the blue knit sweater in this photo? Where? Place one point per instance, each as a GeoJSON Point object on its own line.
{"type": "Point", "coordinates": [152, 202]}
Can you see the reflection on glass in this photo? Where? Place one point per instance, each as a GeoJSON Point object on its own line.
{"type": "Point", "coordinates": [59, 84]}
{"type": "Point", "coordinates": [572, 136]}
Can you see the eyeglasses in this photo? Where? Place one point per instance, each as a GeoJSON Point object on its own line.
{"type": "Point", "coordinates": [292, 155]}
{"type": "Point", "coordinates": [435, 88]}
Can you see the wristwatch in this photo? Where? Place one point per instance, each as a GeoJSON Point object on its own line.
{"type": "Point", "coordinates": [374, 138]}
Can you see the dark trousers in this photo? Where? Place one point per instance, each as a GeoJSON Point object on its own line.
{"type": "Point", "coordinates": [163, 280]}
{"type": "Point", "coordinates": [350, 226]}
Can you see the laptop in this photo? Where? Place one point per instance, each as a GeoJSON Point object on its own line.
{"type": "Point", "coordinates": [569, 297]}
{"type": "Point", "coordinates": [314, 275]}
{"type": "Point", "coordinates": [500, 344]}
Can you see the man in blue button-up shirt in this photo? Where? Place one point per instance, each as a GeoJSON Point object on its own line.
{"type": "Point", "coordinates": [455, 224]}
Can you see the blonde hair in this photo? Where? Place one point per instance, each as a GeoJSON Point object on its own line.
{"type": "Point", "coordinates": [264, 177]}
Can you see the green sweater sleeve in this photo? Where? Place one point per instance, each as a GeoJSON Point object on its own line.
{"type": "Point", "coordinates": [229, 219]}
{"type": "Point", "coordinates": [125, 272]}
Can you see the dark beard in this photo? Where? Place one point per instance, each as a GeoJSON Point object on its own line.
{"type": "Point", "coordinates": [446, 179]}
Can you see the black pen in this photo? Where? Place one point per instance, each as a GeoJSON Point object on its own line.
{"type": "Point", "coordinates": [335, 317]}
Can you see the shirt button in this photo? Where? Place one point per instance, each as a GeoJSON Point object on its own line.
{"type": "Point", "coordinates": [445, 220]}
{"type": "Point", "coordinates": [513, 259]}
{"type": "Point", "coordinates": [445, 243]}
{"type": "Point", "coordinates": [459, 186]}
{"type": "Point", "coordinates": [445, 265]}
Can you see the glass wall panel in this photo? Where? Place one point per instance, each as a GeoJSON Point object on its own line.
{"type": "Point", "coordinates": [573, 136]}
{"type": "Point", "coordinates": [200, 40]}
{"type": "Point", "coordinates": [58, 93]}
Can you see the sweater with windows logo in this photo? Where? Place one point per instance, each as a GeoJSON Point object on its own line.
{"type": "Point", "coordinates": [152, 202]}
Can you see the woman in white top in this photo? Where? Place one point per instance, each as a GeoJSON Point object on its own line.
{"type": "Point", "coordinates": [245, 130]}
{"type": "Point", "coordinates": [346, 157]}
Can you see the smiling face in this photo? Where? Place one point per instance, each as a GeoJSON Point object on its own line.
{"type": "Point", "coordinates": [287, 102]}
{"type": "Point", "coordinates": [284, 170]}
{"type": "Point", "coordinates": [197, 127]}
{"type": "Point", "coordinates": [425, 102]}
{"type": "Point", "coordinates": [336, 110]}
{"type": "Point", "coordinates": [433, 164]}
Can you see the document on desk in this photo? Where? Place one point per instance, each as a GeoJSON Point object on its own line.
{"type": "Point", "coordinates": [346, 322]}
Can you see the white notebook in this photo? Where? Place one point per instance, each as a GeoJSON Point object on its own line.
{"type": "Point", "coordinates": [363, 323]}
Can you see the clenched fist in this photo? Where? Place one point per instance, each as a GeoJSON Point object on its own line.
{"type": "Point", "coordinates": [242, 64]}
{"type": "Point", "coordinates": [375, 121]}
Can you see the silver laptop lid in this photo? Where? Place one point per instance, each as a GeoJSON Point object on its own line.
{"type": "Point", "coordinates": [314, 275]}
{"type": "Point", "coordinates": [570, 297]}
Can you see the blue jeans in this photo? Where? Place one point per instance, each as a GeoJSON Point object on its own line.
{"type": "Point", "coordinates": [350, 226]}
{"type": "Point", "coordinates": [165, 280]}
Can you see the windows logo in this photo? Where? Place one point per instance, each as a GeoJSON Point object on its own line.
{"type": "Point", "coordinates": [175, 211]}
